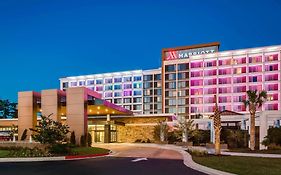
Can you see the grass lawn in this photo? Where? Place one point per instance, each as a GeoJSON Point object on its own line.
{"type": "Point", "coordinates": [241, 165]}
{"type": "Point", "coordinates": [4, 153]}
{"type": "Point", "coordinates": [89, 150]}
{"type": "Point", "coordinates": [245, 150]}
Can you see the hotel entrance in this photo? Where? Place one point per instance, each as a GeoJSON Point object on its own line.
{"type": "Point", "coordinates": [98, 133]}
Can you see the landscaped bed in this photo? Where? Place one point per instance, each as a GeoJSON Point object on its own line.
{"type": "Point", "coordinates": [241, 165]}
{"type": "Point", "coordinates": [35, 152]}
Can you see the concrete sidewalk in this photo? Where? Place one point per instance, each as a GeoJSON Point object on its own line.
{"type": "Point", "coordinates": [251, 154]}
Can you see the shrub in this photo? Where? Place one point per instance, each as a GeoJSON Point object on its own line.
{"type": "Point", "coordinates": [157, 131]}
{"type": "Point", "coordinates": [82, 140]}
{"type": "Point", "coordinates": [235, 138]}
{"type": "Point", "coordinates": [27, 152]}
{"type": "Point", "coordinates": [24, 135]}
{"type": "Point", "coordinates": [72, 138]}
{"type": "Point", "coordinates": [89, 139]}
{"type": "Point", "coordinates": [273, 137]}
{"type": "Point", "coordinates": [174, 137]}
{"type": "Point", "coordinates": [200, 137]}
{"type": "Point", "coordinates": [197, 153]}
{"type": "Point", "coordinates": [59, 149]}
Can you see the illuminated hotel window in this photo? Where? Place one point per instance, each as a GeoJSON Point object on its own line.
{"type": "Point", "coordinates": [209, 100]}
{"type": "Point", "coordinates": [225, 62]}
{"type": "Point", "coordinates": [182, 101]}
{"type": "Point", "coordinates": [271, 87]}
{"type": "Point", "coordinates": [239, 98]}
{"type": "Point", "coordinates": [127, 93]}
{"type": "Point", "coordinates": [239, 79]}
{"type": "Point", "coordinates": [255, 59]}
{"type": "Point", "coordinates": [137, 93]}
{"type": "Point", "coordinates": [126, 79]}
{"type": "Point", "coordinates": [90, 82]}
{"type": "Point", "coordinates": [170, 76]}
{"type": "Point", "coordinates": [157, 99]}
{"type": "Point", "coordinates": [225, 90]}
{"type": "Point", "coordinates": [147, 99]}
{"type": "Point", "coordinates": [198, 100]}
{"type": "Point", "coordinates": [108, 87]}
{"type": "Point", "coordinates": [225, 71]}
{"type": "Point", "coordinates": [271, 107]}
{"type": "Point", "coordinates": [118, 101]}
{"type": "Point", "coordinates": [271, 57]}
{"type": "Point", "coordinates": [271, 77]}
{"type": "Point", "coordinates": [224, 80]}
{"type": "Point", "coordinates": [210, 63]}
{"type": "Point", "coordinates": [137, 85]}
{"type": "Point", "coordinates": [255, 69]}
{"type": "Point", "coordinates": [137, 107]}
{"type": "Point", "coordinates": [137, 100]}
{"type": "Point", "coordinates": [196, 91]}
{"type": "Point", "coordinates": [239, 70]}
{"type": "Point", "coordinates": [272, 97]}
{"type": "Point", "coordinates": [182, 76]}
{"type": "Point", "coordinates": [81, 83]}
{"type": "Point", "coordinates": [157, 91]}
{"type": "Point", "coordinates": [182, 84]}
{"type": "Point", "coordinates": [99, 81]}
{"type": "Point", "coordinates": [72, 84]}
{"type": "Point", "coordinates": [127, 86]}
{"type": "Point", "coordinates": [117, 94]}
{"type": "Point", "coordinates": [238, 89]}
{"type": "Point", "coordinates": [117, 80]}
{"type": "Point", "coordinates": [182, 67]}
{"type": "Point", "coordinates": [108, 80]}
{"type": "Point", "coordinates": [239, 60]}
{"type": "Point", "coordinates": [196, 64]}
{"type": "Point", "coordinates": [99, 88]}
{"type": "Point", "coordinates": [117, 86]}
{"type": "Point", "coordinates": [147, 92]}
{"type": "Point", "coordinates": [255, 87]}
{"type": "Point", "coordinates": [197, 74]}
{"type": "Point", "coordinates": [108, 94]}
{"type": "Point", "coordinates": [272, 67]}
{"type": "Point", "coordinates": [255, 78]}
{"type": "Point", "coordinates": [157, 84]}
{"type": "Point", "coordinates": [127, 107]}
{"type": "Point", "coordinates": [137, 78]}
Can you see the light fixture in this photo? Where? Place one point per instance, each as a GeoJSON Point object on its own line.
{"type": "Point", "coordinates": [90, 110]}
{"type": "Point", "coordinates": [106, 110]}
{"type": "Point", "coordinates": [98, 107]}
{"type": "Point", "coordinates": [40, 110]}
{"type": "Point", "coordinates": [113, 112]}
{"type": "Point", "coordinates": [98, 112]}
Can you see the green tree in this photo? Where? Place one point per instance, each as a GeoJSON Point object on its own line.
{"type": "Point", "coordinates": [89, 139]}
{"type": "Point", "coordinates": [187, 128]}
{"type": "Point", "coordinates": [255, 100]}
{"type": "Point", "coordinates": [8, 109]}
{"type": "Point", "coordinates": [72, 138]}
{"type": "Point", "coordinates": [50, 132]}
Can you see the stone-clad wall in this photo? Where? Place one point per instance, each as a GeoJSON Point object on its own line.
{"type": "Point", "coordinates": [137, 128]}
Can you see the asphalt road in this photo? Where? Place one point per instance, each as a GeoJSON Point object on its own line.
{"type": "Point", "coordinates": [155, 161]}
{"type": "Point", "coordinates": [99, 166]}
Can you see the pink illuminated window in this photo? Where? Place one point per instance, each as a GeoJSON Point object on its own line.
{"type": "Point", "coordinates": [127, 93]}
{"type": "Point", "coordinates": [239, 70]}
{"type": "Point", "coordinates": [210, 90]}
{"type": "Point", "coordinates": [225, 71]}
{"type": "Point", "coordinates": [225, 99]}
{"type": "Point", "coordinates": [209, 109]}
{"type": "Point", "coordinates": [238, 89]}
{"type": "Point", "coordinates": [255, 69]}
{"type": "Point", "coordinates": [271, 77]}
{"type": "Point", "coordinates": [197, 91]}
{"type": "Point", "coordinates": [257, 78]}
{"type": "Point", "coordinates": [196, 82]}
{"type": "Point", "coordinates": [224, 80]}
{"type": "Point", "coordinates": [239, 60]}
{"type": "Point", "coordinates": [99, 88]}
{"type": "Point", "coordinates": [197, 74]}
{"type": "Point", "coordinates": [198, 100]}
{"type": "Point", "coordinates": [210, 81]}
{"type": "Point", "coordinates": [255, 59]}
{"type": "Point", "coordinates": [255, 87]}
{"type": "Point", "coordinates": [225, 62]}
{"type": "Point", "coordinates": [271, 107]}
{"type": "Point", "coordinates": [271, 87]}
{"type": "Point", "coordinates": [272, 67]}
{"type": "Point", "coordinates": [108, 94]}
{"type": "Point", "coordinates": [225, 90]}
{"type": "Point", "coordinates": [239, 98]}
{"type": "Point", "coordinates": [272, 97]}
{"type": "Point", "coordinates": [239, 79]}
{"type": "Point", "coordinates": [210, 63]}
{"type": "Point", "coordinates": [210, 72]}
{"type": "Point", "coordinates": [224, 107]}
{"type": "Point", "coordinates": [195, 109]}
{"type": "Point", "coordinates": [196, 64]}
{"type": "Point", "coordinates": [209, 100]}
{"type": "Point", "coordinates": [239, 108]}
{"type": "Point", "coordinates": [271, 57]}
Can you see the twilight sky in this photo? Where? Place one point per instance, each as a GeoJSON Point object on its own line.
{"type": "Point", "coordinates": [43, 40]}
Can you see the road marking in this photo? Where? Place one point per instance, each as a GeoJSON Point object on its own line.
{"type": "Point", "coordinates": [139, 159]}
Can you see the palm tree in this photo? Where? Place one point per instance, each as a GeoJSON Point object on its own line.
{"type": "Point", "coordinates": [254, 101]}
{"type": "Point", "coordinates": [217, 127]}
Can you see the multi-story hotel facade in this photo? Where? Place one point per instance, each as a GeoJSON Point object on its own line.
{"type": "Point", "coordinates": [188, 80]}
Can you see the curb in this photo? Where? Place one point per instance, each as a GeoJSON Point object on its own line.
{"type": "Point", "coordinates": [187, 158]}
{"type": "Point", "coordinates": [251, 155]}
{"type": "Point", "coordinates": [60, 158]}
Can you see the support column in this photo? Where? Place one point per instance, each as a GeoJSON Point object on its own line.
{"type": "Point", "coordinates": [76, 111]}
{"type": "Point", "coordinates": [107, 130]}
{"type": "Point", "coordinates": [27, 111]}
{"type": "Point", "coordinates": [263, 129]}
{"type": "Point", "coordinates": [51, 104]}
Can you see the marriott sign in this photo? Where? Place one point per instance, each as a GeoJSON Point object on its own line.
{"type": "Point", "coordinates": [182, 54]}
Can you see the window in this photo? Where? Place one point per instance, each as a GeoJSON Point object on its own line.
{"type": "Point", "coordinates": [170, 76]}
{"type": "Point", "coordinates": [157, 77]}
{"type": "Point", "coordinates": [196, 64]}
{"type": "Point", "coordinates": [108, 94]}
{"type": "Point", "coordinates": [137, 85]}
{"type": "Point", "coordinates": [118, 101]}
{"type": "Point", "coordinates": [108, 87]}
{"type": "Point", "coordinates": [271, 57]}
{"type": "Point", "coordinates": [117, 86]}
{"type": "Point", "coordinates": [81, 83]}
{"type": "Point", "coordinates": [182, 84]}
{"type": "Point", "coordinates": [99, 81]}
{"type": "Point", "coordinates": [90, 82]}
{"type": "Point", "coordinates": [182, 76]}
{"type": "Point", "coordinates": [72, 84]}
{"type": "Point", "coordinates": [147, 77]}
{"type": "Point", "coordinates": [108, 80]}
{"type": "Point", "coordinates": [127, 86]}
{"type": "Point", "coordinates": [182, 67]}
{"type": "Point", "coordinates": [157, 91]}
{"type": "Point", "coordinates": [137, 107]}
{"type": "Point", "coordinates": [127, 93]}
{"type": "Point", "coordinates": [197, 74]}
{"type": "Point", "coordinates": [99, 88]}
{"type": "Point", "coordinates": [126, 79]}
{"type": "Point", "coordinates": [137, 100]}
{"type": "Point", "coordinates": [127, 100]}
{"type": "Point", "coordinates": [127, 107]}
{"type": "Point", "coordinates": [255, 59]}
{"type": "Point", "coordinates": [65, 85]}
{"type": "Point", "coordinates": [157, 84]}
{"type": "Point", "coordinates": [117, 94]}
{"type": "Point", "coordinates": [147, 99]}
{"type": "Point", "coordinates": [137, 78]}
{"type": "Point", "coordinates": [137, 93]}
{"type": "Point", "coordinates": [170, 68]}
{"type": "Point", "coordinates": [147, 85]}
{"type": "Point", "coordinates": [117, 80]}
